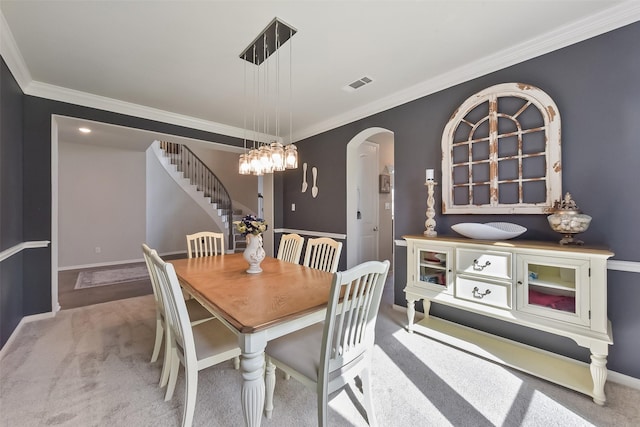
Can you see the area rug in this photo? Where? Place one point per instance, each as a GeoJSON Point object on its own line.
{"type": "Point", "coordinates": [114, 276]}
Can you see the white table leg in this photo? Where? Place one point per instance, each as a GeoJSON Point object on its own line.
{"type": "Point", "coordinates": [270, 380]}
{"type": "Point", "coordinates": [252, 368]}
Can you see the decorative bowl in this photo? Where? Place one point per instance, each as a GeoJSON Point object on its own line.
{"type": "Point", "coordinates": [489, 230]}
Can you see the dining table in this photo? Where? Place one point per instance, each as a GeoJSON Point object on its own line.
{"type": "Point", "coordinates": [259, 307]}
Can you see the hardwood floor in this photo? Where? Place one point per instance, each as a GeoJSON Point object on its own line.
{"type": "Point", "coordinates": [68, 297]}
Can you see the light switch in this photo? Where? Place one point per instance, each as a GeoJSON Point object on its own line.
{"type": "Point", "coordinates": [387, 206]}
{"type": "Point", "coordinates": [293, 207]}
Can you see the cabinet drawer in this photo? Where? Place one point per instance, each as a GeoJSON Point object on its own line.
{"type": "Point", "coordinates": [487, 293]}
{"type": "Point", "coordinates": [484, 263]}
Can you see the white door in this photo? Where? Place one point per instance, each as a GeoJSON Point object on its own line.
{"type": "Point", "coordinates": [367, 202]}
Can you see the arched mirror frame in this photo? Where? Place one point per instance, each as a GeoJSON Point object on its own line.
{"type": "Point", "coordinates": [466, 182]}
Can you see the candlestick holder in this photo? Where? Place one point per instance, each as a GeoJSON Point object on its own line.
{"type": "Point", "coordinates": [430, 223]}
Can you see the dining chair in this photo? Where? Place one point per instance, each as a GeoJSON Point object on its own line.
{"type": "Point", "coordinates": [290, 248]}
{"type": "Point", "coordinates": [323, 253]}
{"type": "Point", "coordinates": [205, 243]}
{"type": "Point", "coordinates": [197, 314]}
{"type": "Point", "coordinates": [326, 356]}
{"type": "Point", "coordinates": [195, 347]}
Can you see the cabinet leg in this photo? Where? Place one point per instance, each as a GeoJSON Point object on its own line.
{"type": "Point", "coordinates": [411, 312]}
{"type": "Point", "coordinates": [598, 369]}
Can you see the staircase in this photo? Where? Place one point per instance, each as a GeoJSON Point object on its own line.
{"type": "Point", "coordinates": [239, 241]}
{"type": "Point", "coordinates": [202, 184]}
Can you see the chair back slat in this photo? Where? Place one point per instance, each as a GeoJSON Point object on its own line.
{"type": "Point", "coordinates": [323, 254]}
{"type": "Point", "coordinates": [205, 243]}
{"type": "Point", "coordinates": [351, 314]}
{"type": "Point", "coordinates": [290, 248]}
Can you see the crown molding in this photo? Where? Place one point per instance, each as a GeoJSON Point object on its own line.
{"type": "Point", "coordinates": [615, 17]}
{"type": "Point", "coordinates": [12, 56]}
{"type": "Point", "coordinates": [607, 20]}
{"type": "Point", "coordinates": [57, 93]}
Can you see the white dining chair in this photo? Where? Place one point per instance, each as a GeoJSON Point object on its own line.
{"type": "Point", "coordinates": [197, 314]}
{"type": "Point", "coordinates": [323, 253]}
{"type": "Point", "coordinates": [205, 243]}
{"type": "Point", "coordinates": [290, 248]}
{"type": "Point", "coordinates": [195, 347]}
{"type": "Point", "coordinates": [326, 356]}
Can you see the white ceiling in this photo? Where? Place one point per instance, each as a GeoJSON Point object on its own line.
{"type": "Point", "coordinates": [177, 61]}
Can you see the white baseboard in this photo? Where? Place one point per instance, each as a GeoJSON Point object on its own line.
{"type": "Point", "coordinates": [618, 378]}
{"type": "Point", "coordinates": [23, 321]}
{"type": "Point", "coordinates": [613, 376]}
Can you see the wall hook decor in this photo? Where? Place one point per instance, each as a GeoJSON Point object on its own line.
{"type": "Point", "coordinates": [304, 177]}
{"type": "Point", "coordinates": [314, 188]}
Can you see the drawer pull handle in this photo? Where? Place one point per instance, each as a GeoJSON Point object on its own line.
{"type": "Point", "coordinates": [477, 294]}
{"type": "Point", "coordinates": [477, 266]}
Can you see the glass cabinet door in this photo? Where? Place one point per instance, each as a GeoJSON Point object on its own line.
{"type": "Point", "coordinates": [434, 268]}
{"type": "Point", "coordinates": [554, 287]}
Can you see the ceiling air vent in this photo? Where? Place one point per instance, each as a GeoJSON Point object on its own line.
{"type": "Point", "coordinates": [358, 84]}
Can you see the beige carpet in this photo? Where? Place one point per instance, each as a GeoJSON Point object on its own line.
{"type": "Point", "coordinates": [89, 367]}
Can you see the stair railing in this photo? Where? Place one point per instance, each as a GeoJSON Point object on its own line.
{"type": "Point", "coordinates": [203, 178]}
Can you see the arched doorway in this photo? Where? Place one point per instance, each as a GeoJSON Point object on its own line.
{"type": "Point", "coordinates": [358, 186]}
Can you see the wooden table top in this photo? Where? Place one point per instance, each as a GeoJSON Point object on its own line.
{"type": "Point", "coordinates": [251, 302]}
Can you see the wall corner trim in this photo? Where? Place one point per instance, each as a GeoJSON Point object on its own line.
{"type": "Point", "coordinates": [21, 246]}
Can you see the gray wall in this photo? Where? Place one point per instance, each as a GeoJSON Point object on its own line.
{"type": "Point", "coordinates": [10, 201]}
{"type": "Point", "coordinates": [596, 85]}
{"type": "Point", "coordinates": [385, 234]}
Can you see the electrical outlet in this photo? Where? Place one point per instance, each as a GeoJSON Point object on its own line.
{"type": "Point", "coordinates": [98, 249]}
{"type": "Point", "coordinates": [293, 207]}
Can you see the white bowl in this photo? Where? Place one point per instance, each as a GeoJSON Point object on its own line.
{"type": "Point", "coordinates": [489, 231]}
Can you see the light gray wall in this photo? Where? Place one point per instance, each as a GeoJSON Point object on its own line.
{"type": "Point", "coordinates": [115, 199]}
{"type": "Point", "coordinates": [385, 235]}
{"type": "Point", "coordinates": [171, 213]}
{"type": "Point", "coordinates": [101, 204]}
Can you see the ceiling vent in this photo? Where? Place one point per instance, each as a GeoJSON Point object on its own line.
{"type": "Point", "coordinates": [358, 84]}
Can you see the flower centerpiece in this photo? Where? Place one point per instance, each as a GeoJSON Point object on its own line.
{"type": "Point", "coordinates": [251, 224]}
{"type": "Point", "coordinates": [252, 227]}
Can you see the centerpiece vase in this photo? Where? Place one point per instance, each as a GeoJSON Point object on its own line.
{"type": "Point", "coordinates": [254, 253]}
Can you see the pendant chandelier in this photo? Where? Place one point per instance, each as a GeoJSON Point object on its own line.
{"type": "Point", "coordinates": [260, 158]}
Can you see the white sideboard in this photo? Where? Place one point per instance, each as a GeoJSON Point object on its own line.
{"type": "Point", "coordinates": [557, 289]}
